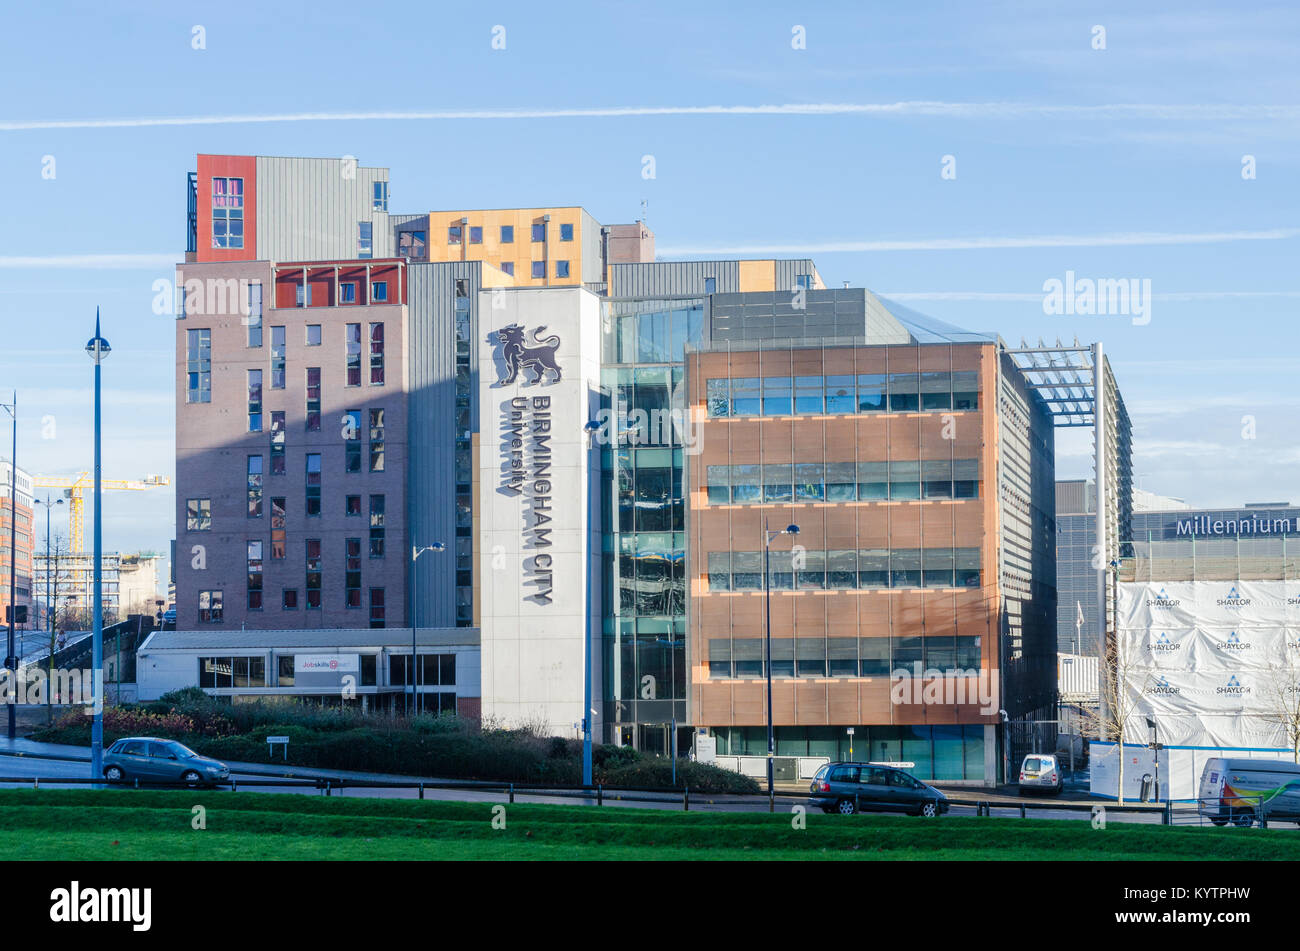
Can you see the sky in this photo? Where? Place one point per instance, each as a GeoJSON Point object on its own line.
{"type": "Point", "coordinates": [955, 157]}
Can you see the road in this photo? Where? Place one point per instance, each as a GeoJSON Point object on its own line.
{"type": "Point", "coordinates": [999, 805]}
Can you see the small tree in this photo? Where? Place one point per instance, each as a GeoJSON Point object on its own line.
{"type": "Point", "coordinates": [1121, 687]}
{"type": "Point", "coordinates": [1281, 696]}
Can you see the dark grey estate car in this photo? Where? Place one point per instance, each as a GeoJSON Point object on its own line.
{"type": "Point", "coordinates": [847, 788]}
{"type": "Point", "coordinates": [160, 761]}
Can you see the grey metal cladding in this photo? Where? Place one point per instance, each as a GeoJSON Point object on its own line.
{"type": "Point", "coordinates": [431, 429]}
{"type": "Point", "coordinates": [787, 272]}
{"type": "Point", "coordinates": [668, 278]}
{"type": "Point", "coordinates": [308, 209]}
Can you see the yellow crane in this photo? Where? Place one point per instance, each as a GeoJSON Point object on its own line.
{"type": "Point", "coordinates": [76, 486]}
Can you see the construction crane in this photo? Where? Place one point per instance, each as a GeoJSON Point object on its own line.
{"type": "Point", "coordinates": [76, 486]}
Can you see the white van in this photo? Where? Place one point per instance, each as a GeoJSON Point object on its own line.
{"type": "Point", "coordinates": [1237, 790]}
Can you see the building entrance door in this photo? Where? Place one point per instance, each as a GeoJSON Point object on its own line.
{"type": "Point", "coordinates": [653, 738]}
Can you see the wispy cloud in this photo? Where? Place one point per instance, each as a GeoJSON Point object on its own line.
{"type": "Point", "coordinates": [1012, 296]}
{"type": "Point", "coordinates": [1195, 112]}
{"type": "Point", "coordinates": [1122, 239]}
{"type": "Point", "coordinates": [92, 261]}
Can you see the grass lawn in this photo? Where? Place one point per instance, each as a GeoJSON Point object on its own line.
{"type": "Point", "coordinates": [133, 825]}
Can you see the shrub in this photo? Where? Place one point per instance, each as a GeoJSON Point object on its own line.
{"type": "Point", "coordinates": [656, 773]}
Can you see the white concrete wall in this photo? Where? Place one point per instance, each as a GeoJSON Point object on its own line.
{"type": "Point", "coordinates": [532, 648]}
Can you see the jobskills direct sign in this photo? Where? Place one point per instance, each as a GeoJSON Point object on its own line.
{"type": "Point", "coordinates": [539, 374]}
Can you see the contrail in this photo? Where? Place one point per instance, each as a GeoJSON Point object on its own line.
{"type": "Point", "coordinates": [94, 261]}
{"type": "Point", "coordinates": [1013, 296]}
{"type": "Point", "coordinates": [959, 110]}
{"type": "Point", "coordinates": [993, 242]}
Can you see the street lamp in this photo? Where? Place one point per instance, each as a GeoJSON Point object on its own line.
{"type": "Point", "coordinates": [11, 661]}
{"type": "Point", "coordinates": [98, 350]}
{"type": "Point", "coordinates": [49, 502]}
{"type": "Point", "coordinates": [1155, 749]}
{"type": "Point", "coordinates": [589, 429]}
{"type": "Point", "coordinates": [768, 535]}
{"type": "Point", "coordinates": [415, 608]}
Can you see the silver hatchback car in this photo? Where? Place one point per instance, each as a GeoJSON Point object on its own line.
{"type": "Point", "coordinates": [152, 760]}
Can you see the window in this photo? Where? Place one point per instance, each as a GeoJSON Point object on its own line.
{"type": "Point", "coordinates": [289, 599]}
{"type": "Point", "coordinates": [777, 392]}
{"type": "Point", "coordinates": [454, 234]}
{"type": "Point", "coordinates": [210, 610]}
{"type": "Point", "coordinates": [352, 505]}
{"type": "Point", "coordinates": [313, 399]}
{"type": "Point", "coordinates": [377, 614]}
{"type": "Point", "coordinates": [410, 244]}
{"type": "Point", "coordinates": [313, 335]}
{"type": "Point", "coordinates": [284, 667]}
{"type": "Point", "coordinates": [352, 574]}
{"type": "Point", "coordinates": [476, 234]}
{"type": "Point", "coordinates": [566, 232]}
{"type": "Point", "coordinates": [365, 240]}
{"type": "Point", "coordinates": [904, 392]}
{"type": "Point", "coordinates": [508, 267]}
{"type": "Point", "coordinates": [198, 365]}
{"type": "Point", "coordinates": [302, 297]}
{"type": "Point", "coordinates": [227, 212]}
{"type": "Point", "coordinates": [352, 441]}
{"type": "Point", "coordinates": [808, 394]}
{"type": "Point", "coordinates": [561, 268]}
{"type": "Point", "coordinates": [277, 443]}
{"type": "Point", "coordinates": [255, 575]}
{"type": "Point", "coordinates": [278, 535]}
{"type": "Point", "coordinates": [376, 354]}
{"type": "Point", "coordinates": [379, 292]}
{"type": "Point", "coordinates": [376, 440]}
{"type": "Point", "coordinates": [539, 269]}
{"type": "Point", "coordinates": [254, 316]}
{"type": "Point", "coordinates": [278, 351]}
{"type": "Point", "coordinates": [348, 292]}
{"type": "Point", "coordinates": [353, 354]}
{"type": "Point", "coordinates": [376, 526]}
{"type": "Point", "coordinates": [313, 573]}
{"type": "Point", "coordinates": [507, 234]}
{"type": "Point", "coordinates": [539, 232]}
{"type": "Point", "coordinates": [803, 281]}
{"type": "Point", "coordinates": [313, 483]}
{"type": "Point", "coordinates": [254, 486]}
{"type": "Point", "coordinates": [254, 401]}
{"type": "Point", "coordinates": [198, 515]}
{"type": "Point", "coordinates": [379, 196]}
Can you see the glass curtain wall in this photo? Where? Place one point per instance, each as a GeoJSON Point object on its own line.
{"type": "Point", "coordinates": [644, 573]}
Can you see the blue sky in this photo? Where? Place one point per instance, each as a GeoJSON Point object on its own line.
{"type": "Point", "coordinates": [1117, 163]}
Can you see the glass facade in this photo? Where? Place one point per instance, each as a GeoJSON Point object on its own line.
{"type": "Point", "coordinates": [951, 752]}
{"type": "Point", "coordinates": [644, 556]}
{"type": "Point", "coordinates": [464, 461]}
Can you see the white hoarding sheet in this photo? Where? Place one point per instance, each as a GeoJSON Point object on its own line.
{"type": "Point", "coordinates": [1215, 664]}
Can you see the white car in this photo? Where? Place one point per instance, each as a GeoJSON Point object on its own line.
{"type": "Point", "coordinates": [1040, 772]}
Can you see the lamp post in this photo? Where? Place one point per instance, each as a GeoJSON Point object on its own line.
{"type": "Point", "coordinates": [98, 349]}
{"type": "Point", "coordinates": [1155, 749]}
{"type": "Point", "coordinates": [589, 429]}
{"type": "Point", "coordinates": [415, 609]}
{"type": "Point", "coordinates": [49, 502]}
{"type": "Point", "coordinates": [11, 661]}
{"type": "Point", "coordinates": [768, 535]}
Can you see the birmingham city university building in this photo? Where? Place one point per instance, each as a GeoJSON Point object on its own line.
{"type": "Point", "coordinates": [588, 431]}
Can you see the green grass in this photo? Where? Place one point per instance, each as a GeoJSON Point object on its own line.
{"type": "Point", "coordinates": [126, 824]}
